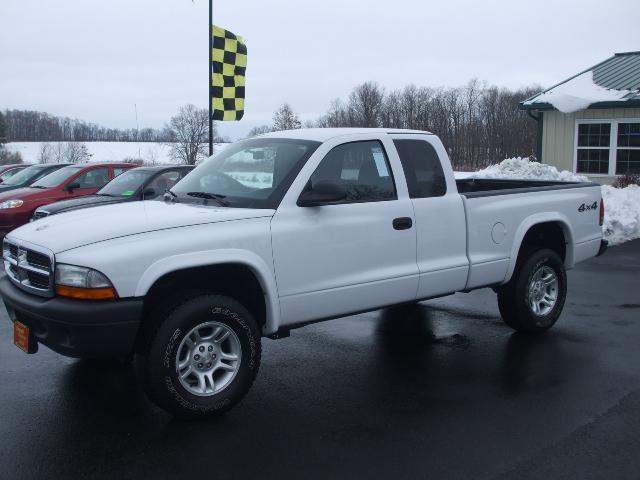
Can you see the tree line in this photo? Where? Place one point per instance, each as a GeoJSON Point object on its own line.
{"type": "Point", "coordinates": [478, 124]}
{"type": "Point", "coordinates": [33, 126]}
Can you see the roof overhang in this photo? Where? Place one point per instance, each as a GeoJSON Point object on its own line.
{"type": "Point", "coordinates": [634, 103]}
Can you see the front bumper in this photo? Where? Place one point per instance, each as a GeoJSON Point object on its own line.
{"type": "Point", "coordinates": [75, 328]}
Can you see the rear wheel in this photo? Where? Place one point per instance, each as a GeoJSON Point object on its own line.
{"type": "Point", "coordinates": [534, 298]}
{"type": "Point", "coordinates": [202, 358]}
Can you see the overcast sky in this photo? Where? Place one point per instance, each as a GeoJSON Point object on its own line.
{"type": "Point", "coordinates": [94, 59]}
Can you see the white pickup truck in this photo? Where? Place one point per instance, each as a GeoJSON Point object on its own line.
{"type": "Point", "coordinates": [279, 231]}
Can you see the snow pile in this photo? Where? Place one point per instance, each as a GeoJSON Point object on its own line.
{"type": "Point", "coordinates": [621, 213]}
{"type": "Point", "coordinates": [524, 169]}
{"type": "Point", "coordinates": [622, 205]}
{"type": "Point", "coordinates": [577, 94]}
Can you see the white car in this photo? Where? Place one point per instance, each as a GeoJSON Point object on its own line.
{"type": "Point", "coordinates": [279, 231]}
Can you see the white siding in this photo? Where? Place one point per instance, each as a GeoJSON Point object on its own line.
{"type": "Point", "coordinates": [558, 132]}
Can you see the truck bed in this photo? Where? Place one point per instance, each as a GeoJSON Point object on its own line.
{"type": "Point", "coordinates": [486, 187]}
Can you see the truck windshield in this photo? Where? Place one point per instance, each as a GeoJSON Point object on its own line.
{"type": "Point", "coordinates": [56, 178]}
{"type": "Point", "coordinates": [126, 184]}
{"type": "Point", "coordinates": [254, 173]}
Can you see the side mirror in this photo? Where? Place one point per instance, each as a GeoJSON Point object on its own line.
{"type": "Point", "coordinates": [322, 193]}
{"type": "Point", "coordinates": [72, 186]}
{"type": "Point", "coordinates": [148, 193]}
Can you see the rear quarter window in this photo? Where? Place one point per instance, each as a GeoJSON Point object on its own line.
{"type": "Point", "coordinates": [422, 168]}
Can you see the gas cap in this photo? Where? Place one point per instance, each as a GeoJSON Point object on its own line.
{"type": "Point", "coordinates": [498, 232]}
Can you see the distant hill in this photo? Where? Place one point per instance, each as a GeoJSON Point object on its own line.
{"type": "Point", "coordinates": [33, 126]}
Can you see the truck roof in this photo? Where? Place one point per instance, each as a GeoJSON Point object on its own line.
{"type": "Point", "coordinates": [324, 134]}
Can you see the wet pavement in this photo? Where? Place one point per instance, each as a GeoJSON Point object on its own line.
{"type": "Point", "coordinates": [442, 389]}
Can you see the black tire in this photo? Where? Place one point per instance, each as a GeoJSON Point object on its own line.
{"type": "Point", "coordinates": [158, 355]}
{"type": "Point", "coordinates": [513, 298]}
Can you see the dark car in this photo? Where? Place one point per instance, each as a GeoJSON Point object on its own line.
{"type": "Point", "coordinates": [144, 183]}
{"type": "Point", "coordinates": [29, 175]}
{"type": "Point", "coordinates": [8, 171]}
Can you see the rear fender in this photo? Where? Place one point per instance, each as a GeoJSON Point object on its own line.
{"type": "Point", "coordinates": [536, 219]}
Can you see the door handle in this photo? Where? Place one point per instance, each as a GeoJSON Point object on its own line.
{"type": "Point", "coordinates": [402, 223]}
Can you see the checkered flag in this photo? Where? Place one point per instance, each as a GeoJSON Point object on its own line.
{"type": "Point", "coordinates": [229, 69]}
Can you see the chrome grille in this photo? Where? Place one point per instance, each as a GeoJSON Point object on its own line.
{"type": "Point", "coordinates": [29, 267]}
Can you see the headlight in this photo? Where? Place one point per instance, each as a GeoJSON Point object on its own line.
{"type": "Point", "coordinates": [11, 204]}
{"type": "Point", "coordinates": [83, 283]}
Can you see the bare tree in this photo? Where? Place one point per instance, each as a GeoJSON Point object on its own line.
{"type": "Point", "coordinates": [366, 104]}
{"type": "Point", "coordinates": [479, 125]}
{"type": "Point", "coordinates": [261, 130]}
{"type": "Point", "coordinates": [76, 152]}
{"type": "Point", "coordinates": [3, 129]}
{"type": "Point", "coordinates": [7, 157]}
{"type": "Point", "coordinates": [188, 132]}
{"type": "Point", "coordinates": [46, 153]}
{"type": "Point", "coordinates": [64, 152]}
{"type": "Point", "coordinates": [152, 155]}
{"type": "Point", "coordinates": [286, 119]}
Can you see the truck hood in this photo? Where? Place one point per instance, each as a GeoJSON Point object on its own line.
{"type": "Point", "coordinates": [82, 227]}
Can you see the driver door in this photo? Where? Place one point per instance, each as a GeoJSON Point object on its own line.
{"type": "Point", "coordinates": [90, 181]}
{"type": "Point", "coordinates": [335, 259]}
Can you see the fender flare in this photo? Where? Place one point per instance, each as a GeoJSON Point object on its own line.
{"type": "Point", "coordinates": [530, 222]}
{"type": "Point", "coordinates": [207, 258]}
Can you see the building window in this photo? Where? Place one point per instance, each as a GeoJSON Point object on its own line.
{"type": "Point", "coordinates": [608, 147]}
{"type": "Point", "coordinates": [594, 140]}
{"type": "Point", "coordinates": [628, 148]}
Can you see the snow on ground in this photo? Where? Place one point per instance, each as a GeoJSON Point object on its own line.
{"type": "Point", "coordinates": [622, 205]}
{"type": "Point", "coordinates": [577, 94]}
{"type": "Point", "coordinates": [151, 152]}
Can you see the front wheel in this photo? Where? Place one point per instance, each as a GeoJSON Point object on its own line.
{"type": "Point", "coordinates": [202, 358]}
{"type": "Point", "coordinates": [534, 298]}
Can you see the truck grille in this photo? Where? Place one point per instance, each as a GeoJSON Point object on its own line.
{"type": "Point", "coordinates": [39, 214]}
{"type": "Point", "coordinates": [29, 267]}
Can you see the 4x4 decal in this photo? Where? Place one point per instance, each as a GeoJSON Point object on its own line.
{"type": "Point", "coordinates": [584, 207]}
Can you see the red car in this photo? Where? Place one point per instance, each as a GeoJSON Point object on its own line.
{"type": "Point", "coordinates": [17, 206]}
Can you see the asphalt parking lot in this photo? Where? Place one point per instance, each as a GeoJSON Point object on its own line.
{"type": "Point", "coordinates": [439, 390]}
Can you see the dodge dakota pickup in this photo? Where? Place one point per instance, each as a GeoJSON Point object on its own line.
{"type": "Point", "coordinates": [276, 232]}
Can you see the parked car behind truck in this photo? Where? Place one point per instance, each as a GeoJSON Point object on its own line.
{"type": "Point", "coordinates": [8, 171]}
{"type": "Point", "coordinates": [29, 175]}
{"type": "Point", "coordinates": [17, 206]}
{"type": "Point", "coordinates": [279, 231]}
{"type": "Point", "coordinates": [144, 183]}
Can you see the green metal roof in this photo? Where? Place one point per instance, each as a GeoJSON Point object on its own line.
{"type": "Point", "coordinates": [620, 72]}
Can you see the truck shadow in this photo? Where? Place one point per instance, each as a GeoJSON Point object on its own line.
{"type": "Point", "coordinates": [425, 352]}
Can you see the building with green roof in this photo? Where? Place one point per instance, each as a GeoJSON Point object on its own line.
{"type": "Point", "coordinates": [590, 123]}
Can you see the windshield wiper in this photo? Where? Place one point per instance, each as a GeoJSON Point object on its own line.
{"type": "Point", "coordinates": [210, 196]}
{"type": "Point", "coordinates": [37, 186]}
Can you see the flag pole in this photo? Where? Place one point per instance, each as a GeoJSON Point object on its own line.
{"type": "Point", "coordinates": [210, 66]}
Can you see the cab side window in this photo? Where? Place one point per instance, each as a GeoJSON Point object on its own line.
{"type": "Point", "coordinates": [165, 181]}
{"type": "Point", "coordinates": [96, 178]}
{"type": "Point", "coordinates": [422, 168]}
{"type": "Point", "coordinates": [119, 171]}
{"type": "Point", "coordinates": [362, 167]}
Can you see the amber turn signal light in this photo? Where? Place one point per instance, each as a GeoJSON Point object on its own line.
{"type": "Point", "coordinates": [86, 293]}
